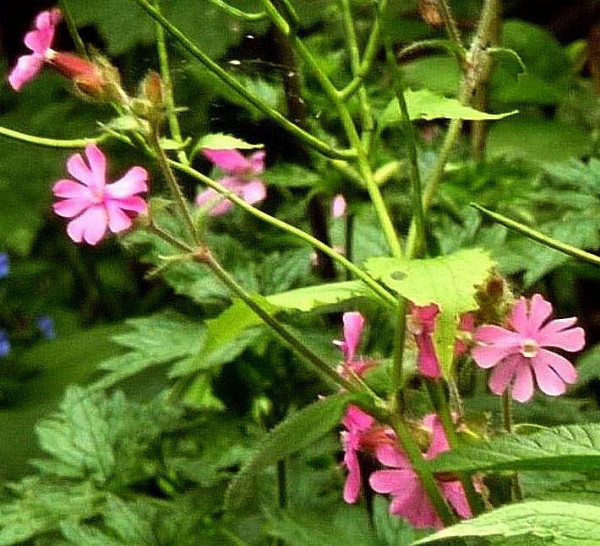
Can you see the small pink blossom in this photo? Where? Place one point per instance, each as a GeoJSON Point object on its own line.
{"type": "Point", "coordinates": [409, 499]}
{"type": "Point", "coordinates": [242, 179]}
{"type": "Point", "coordinates": [354, 323]}
{"type": "Point", "coordinates": [357, 423]}
{"type": "Point", "coordinates": [39, 42]}
{"type": "Point", "coordinates": [421, 324]}
{"type": "Point", "coordinates": [94, 205]}
{"type": "Point", "coordinates": [518, 354]}
{"type": "Point", "coordinates": [338, 206]}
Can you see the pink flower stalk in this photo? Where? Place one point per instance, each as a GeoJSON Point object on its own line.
{"type": "Point", "coordinates": [242, 179]}
{"type": "Point", "coordinates": [421, 324]}
{"type": "Point", "coordinates": [94, 205]}
{"type": "Point", "coordinates": [409, 499]}
{"type": "Point", "coordinates": [38, 41]}
{"type": "Point", "coordinates": [518, 353]}
{"type": "Point", "coordinates": [338, 206]}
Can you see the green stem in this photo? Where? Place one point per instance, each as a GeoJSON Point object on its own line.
{"type": "Point", "coordinates": [180, 200]}
{"type": "Point", "coordinates": [565, 248]}
{"type": "Point", "coordinates": [385, 296]}
{"type": "Point", "coordinates": [240, 89]}
{"type": "Point", "coordinates": [72, 26]}
{"type": "Point", "coordinates": [414, 172]}
{"type": "Point", "coordinates": [419, 464]}
{"type": "Point", "coordinates": [507, 423]}
{"type": "Point", "coordinates": [368, 125]}
{"type": "Point", "coordinates": [166, 236]}
{"type": "Point", "coordinates": [51, 142]}
{"type": "Point", "coordinates": [165, 73]}
{"type": "Point", "coordinates": [367, 61]}
{"type": "Point", "coordinates": [276, 17]}
{"type": "Point", "coordinates": [398, 360]}
{"type": "Point", "coordinates": [260, 16]}
{"type": "Point", "coordinates": [204, 256]}
{"type": "Point", "coordinates": [442, 407]}
{"type": "Point", "coordinates": [427, 45]}
{"type": "Point", "coordinates": [450, 23]}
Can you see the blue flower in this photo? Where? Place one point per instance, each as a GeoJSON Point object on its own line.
{"type": "Point", "coordinates": [4, 343]}
{"type": "Point", "coordinates": [46, 325]}
{"type": "Point", "coordinates": [4, 265]}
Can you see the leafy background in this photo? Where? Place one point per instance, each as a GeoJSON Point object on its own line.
{"type": "Point", "coordinates": [179, 392]}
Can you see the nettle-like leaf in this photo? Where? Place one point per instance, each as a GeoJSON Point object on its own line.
{"type": "Point", "coordinates": [158, 339]}
{"type": "Point", "coordinates": [574, 448]}
{"type": "Point", "coordinates": [39, 506]}
{"type": "Point", "coordinates": [288, 437]}
{"type": "Point", "coordinates": [549, 522]}
{"type": "Point", "coordinates": [449, 281]}
{"type": "Point", "coordinates": [102, 439]}
{"type": "Point", "coordinates": [425, 104]}
{"type": "Point", "coordinates": [221, 141]}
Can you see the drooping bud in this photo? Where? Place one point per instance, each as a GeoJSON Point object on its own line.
{"type": "Point", "coordinates": [429, 11]}
{"type": "Point", "coordinates": [150, 102]}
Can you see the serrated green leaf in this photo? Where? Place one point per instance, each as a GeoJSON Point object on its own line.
{"type": "Point", "coordinates": [573, 448]}
{"type": "Point", "coordinates": [449, 281]}
{"type": "Point", "coordinates": [557, 523]}
{"type": "Point", "coordinates": [425, 104]}
{"type": "Point", "coordinates": [287, 438]}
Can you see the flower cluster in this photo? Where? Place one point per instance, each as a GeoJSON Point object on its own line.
{"type": "Point", "coordinates": [364, 436]}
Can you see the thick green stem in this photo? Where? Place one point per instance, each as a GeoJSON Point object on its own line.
{"type": "Point", "coordinates": [180, 200]}
{"type": "Point", "coordinates": [450, 23]}
{"type": "Point", "coordinates": [167, 82]}
{"type": "Point", "coordinates": [240, 89]}
{"type": "Point", "coordinates": [260, 16]}
{"type": "Point", "coordinates": [398, 360]}
{"type": "Point", "coordinates": [507, 424]}
{"type": "Point", "coordinates": [204, 256]}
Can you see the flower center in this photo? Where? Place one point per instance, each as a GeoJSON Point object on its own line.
{"type": "Point", "coordinates": [529, 348]}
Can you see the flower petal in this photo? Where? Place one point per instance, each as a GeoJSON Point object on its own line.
{"type": "Point", "coordinates": [252, 192]}
{"type": "Point", "coordinates": [389, 455]}
{"type": "Point", "coordinates": [70, 189]}
{"type": "Point", "coordinates": [257, 162]}
{"type": "Point", "coordinates": [70, 207]}
{"type": "Point", "coordinates": [557, 333]}
{"type": "Point", "coordinates": [352, 486]}
{"type": "Point", "coordinates": [561, 366]}
{"type": "Point", "coordinates": [117, 220]}
{"type": "Point", "coordinates": [427, 360]}
{"type": "Point", "coordinates": [396, 482]}
{"type": "Point", "coordinates": [133, 182]}
{"type": "Point", "coordinates": [522, 389]}
{"type": "Point", "coordinates": [89, 227]}
{"type": "Point", "coordinates": [353, 326]}
{"type": "Point", "coordinates": [97, 163]}
{"type": "Point", "coordinates": [455, 493]}
{"type": "Point", "coordinates": [79, 170]}
{"type": "Point", "coordinates": [230, 161]}
{"type": "Point", "coordinates": [547, 379]}
{"type": "Point", "coordinates": [439, 442]}
{"type": "Point", "coordinates": [356, 419]}
{"type": "Point", "coordinates": [25, 70]}
{"type": "Point", "coordinates": [539, 311]}
{"type": "Point", "coordinates": [504, 373]}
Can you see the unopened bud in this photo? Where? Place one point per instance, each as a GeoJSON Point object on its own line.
{"type": "Point", "coordinates": [429, 11]}
{"type": "Point", "coordinates": [150, 102]}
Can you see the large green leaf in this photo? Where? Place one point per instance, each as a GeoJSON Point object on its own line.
{"type": "Point", "coordinates": [425, 104]}
{"type": "Point", "coordinates": [574, 448]}
{"type": "Point", "coordinates": [448, 281]}
{"type": "Point", "coordinates": [547, 522]}
{"type": "Point", "coordinates": [290, 436]}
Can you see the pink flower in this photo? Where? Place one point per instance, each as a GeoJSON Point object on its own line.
{"type": "Point", "coordinates": [354, 323]}
{"type": "Point", "coordinates": [39, 42]}
{"type": "Point", "coordinates": [518, 354]}
{"type": "Point", "coordinates": [338, 206]}
{"type": "Point", "coordinates": [421, 324]}
{"type": "Point", "coordinates": [242, 179]}
{"type": "Point", "coordinates": [409, 499]}
{"type": "Point", "coordinates": [357, 423]}
{"type": "Point", "coordinates": [95, 205]}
